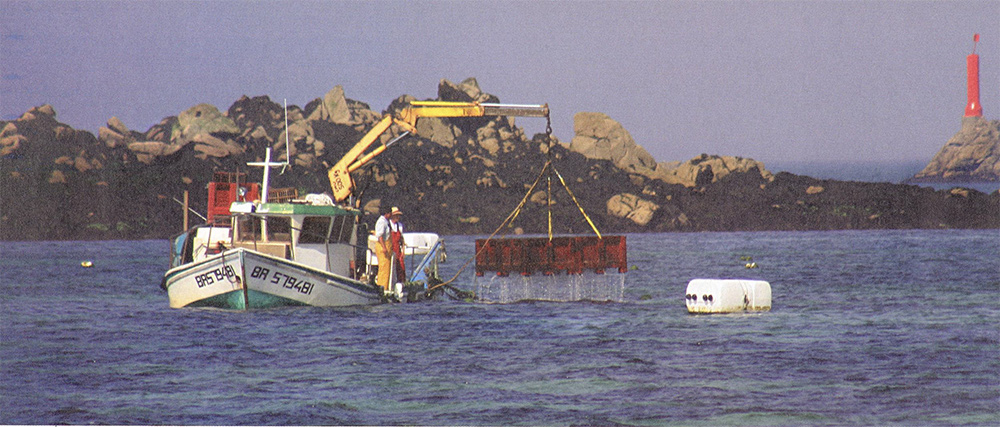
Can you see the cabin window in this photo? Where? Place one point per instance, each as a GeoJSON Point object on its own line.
{"type": "Point", "coordinates": [249, 228]}
{"type": "Point", "coordinates": [314, 229]}
{"type": "Point", "coordinates": [343, 228]}
{"type": "Point", "coordinates": [278, 228]}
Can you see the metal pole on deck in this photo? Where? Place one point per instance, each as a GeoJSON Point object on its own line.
{"type": "Point", "coordinates": [185, 210]}
{"type": "Point", "coordinates": [263, 196]}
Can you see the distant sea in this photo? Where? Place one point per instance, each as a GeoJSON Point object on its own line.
{"type": "Point", "coordinates": [895, 327]}
{"type": "Point", "coordinates": [894, 172]}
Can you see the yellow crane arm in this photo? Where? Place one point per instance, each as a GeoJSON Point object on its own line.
{"type": "Point", "coordinates": [340, 174]}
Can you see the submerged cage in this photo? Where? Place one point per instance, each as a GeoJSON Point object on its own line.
{"type": "Point", "coordinates": [560, 269]}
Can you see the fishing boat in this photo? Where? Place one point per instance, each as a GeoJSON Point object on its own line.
{"type": "Point", "coordinates": [289, 252]}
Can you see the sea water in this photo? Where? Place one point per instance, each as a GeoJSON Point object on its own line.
{"type": "Point", "coordinates": [561, 287]}
{"type": "Point", "coordinates": [867, 328]}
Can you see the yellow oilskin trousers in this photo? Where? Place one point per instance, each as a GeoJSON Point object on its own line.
{"type": "Point", "coordinates": [384, 265]}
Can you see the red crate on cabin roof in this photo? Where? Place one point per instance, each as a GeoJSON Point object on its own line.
{"type": "Point", "coordinates": [224, 190]}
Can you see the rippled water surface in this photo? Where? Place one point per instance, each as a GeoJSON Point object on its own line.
{"type": "Point", "coordinates": [867, 328]}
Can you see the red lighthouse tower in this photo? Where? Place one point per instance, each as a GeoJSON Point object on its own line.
{"type": "Point", "coordinates": [973, 109]}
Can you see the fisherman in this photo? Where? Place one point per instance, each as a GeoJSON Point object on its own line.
{"type": "Point", "coordinates": [383, 237]}
{"type": "Point", "coordinates": [396, 231]}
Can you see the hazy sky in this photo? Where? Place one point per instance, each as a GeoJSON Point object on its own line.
{"type": "Point", "coordinates": [776, 81]}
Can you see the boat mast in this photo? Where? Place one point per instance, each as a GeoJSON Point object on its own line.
{"type": "Point", "coordinates": [267, 165]}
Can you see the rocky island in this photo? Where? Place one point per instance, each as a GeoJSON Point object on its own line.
{"type": "Point", "coordinates": [972, 155]}
{"type": "Point", "coordinates": [460, 176]}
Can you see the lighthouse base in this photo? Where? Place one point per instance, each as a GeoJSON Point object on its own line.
{"type": "Point", "coordinates": [970, 123]}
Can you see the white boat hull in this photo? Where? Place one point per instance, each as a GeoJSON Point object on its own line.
{"type": "Point", "coordinates": [209, 282]}
{"type": "Point", "coordinates": [242, 279]}
{"type": "Point", "coordinates": [274, 278]}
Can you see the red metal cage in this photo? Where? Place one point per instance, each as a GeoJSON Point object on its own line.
{"type": "Point", "coordinates": [571, 255]}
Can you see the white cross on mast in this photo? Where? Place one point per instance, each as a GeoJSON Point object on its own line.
{"type": "Point", "coordinates": [267, 164]}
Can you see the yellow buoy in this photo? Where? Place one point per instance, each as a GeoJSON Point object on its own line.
{"type": "Point", "coordinates": [87, 264]}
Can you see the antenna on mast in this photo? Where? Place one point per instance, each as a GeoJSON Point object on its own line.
{"type": "Point", "coordinates": [288, 152]}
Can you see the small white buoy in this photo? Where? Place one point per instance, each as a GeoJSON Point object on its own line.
{"type": "Point", "coordinates": [87, 264]}
{"type": "Point", "coordinates": [727, 296]}
{"type": "Point", "coordinates": [398, 291]}
{"type": "Point", "coordinates": [751, 265]}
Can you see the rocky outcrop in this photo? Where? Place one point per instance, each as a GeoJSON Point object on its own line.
{"type": "Point", "coordinates": [598, 136]}
{"type": "Point", "coordinates": [203, 126]}
{"type": "Point", "coordinates": [202, 119]}
{"type": "Point", "coordinates": [632, 207]}
{"type": "Point", "coordinates": [814, 189]}
{"type": "Point", "coordinates": [972, 155]}
{"type": "Point", "coordinates": [208, 145]}
{"type": "Point", "coordinates": [37, 135]}
{"type": "Point", "coordinates": [706, 169]}
{"type": "Point", "coordinates": [10, 139]}
{"type": "Point", "coordinates": [44, 110]}
{"type": "Point", "coordinates": [147, 151]}
{"type": "Point", "coordinates": [466, 91]}
{"type": "Point", "coordinates": [335, 108]}
{"type": "Point", "coordinates": [115, 133]}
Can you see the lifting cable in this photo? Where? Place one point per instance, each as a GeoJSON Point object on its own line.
{"type": "Point", "coordinates": [510, 218]}
{"type": "Point", "coordinates": [548, 138]}
{"type": "Point", "coordinates": [548, 178]}
{"type": "Point", "coordinates": [578, 206]}
{"type": "Point", "coordinates": [517, 211]}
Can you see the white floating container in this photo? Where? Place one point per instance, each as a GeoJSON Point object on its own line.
{"type": "Point", "coordinates": [727, 295]}
{"type": "Point", "coordinates": [416, 244]}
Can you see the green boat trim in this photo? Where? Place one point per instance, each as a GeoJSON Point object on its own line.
{"type": "Point", "coordinates": [303, 209]}
{"type": "Point", "coordinates": [232, 300]}
{"type": "Point", "coordinates": [236, 300]}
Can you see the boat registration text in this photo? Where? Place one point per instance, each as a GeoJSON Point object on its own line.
{"type": "Point", "coordinates": [213, 276]}
{"type": "Point", "coordinates": [286, 281]}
